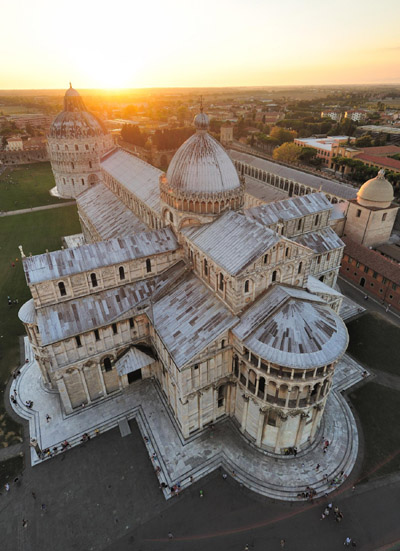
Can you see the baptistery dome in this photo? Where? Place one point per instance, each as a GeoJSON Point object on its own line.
{"type": "Point", "coordinates": [201, 177]}
{"type": "Point", "coordinates": [75, 120]}
{"type": "Point", "coordinates": [377, 192]}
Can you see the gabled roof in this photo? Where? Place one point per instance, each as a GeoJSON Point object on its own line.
{"type": "Point", "coordinates": [76, 316]}
{"type": "Point", "coordinates": [66, 262]}
{"type": "Point", "coordinates": [373, 260]}
{"type": "Point", "coordinates": [321, 241]}
{"type": "Point", "coordinates": [190, 318]}
{"type": "Point", "coordinates": [133, 360]}
{"type": "Point", "coordinates": [293, 328]}
{"type": "Point", "coordinates": [108, 214]}
{"type": "Point", "coordinates": [233, 241]}
{"type": "Point", "coordinates": [137, 176]}
{"type": "Point", "coordinates": [295, 207]}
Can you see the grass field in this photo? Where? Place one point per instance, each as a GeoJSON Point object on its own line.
{"type": "Point", "coordinates": [36, 232]}
{"type": "Point", "coordinates": [375, 343]}
{"type": "Point", "coordinates": [27, 186]}
{"type": "Point", "coordinates": [17, 109]}
{"type": "Point", "coordinates": [379, 412]}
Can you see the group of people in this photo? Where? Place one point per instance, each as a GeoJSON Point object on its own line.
{"type": "Point", "coordinates": [336, 512]}
{"type": "Point", "coordinates": [309, 494]}
{"type": "Point", "coordinates": [12, 301]}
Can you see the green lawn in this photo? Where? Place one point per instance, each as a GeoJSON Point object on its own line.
{"type": "Point", "coordinates": [36, 232]}
{"type": "Point", "coordinates": [379, 412]}
{"type": "Point", "coordinates": [17, 109]}
{"type": "Point", "coordinates": [10, 469]}
{"type": "Point", "coordinates": [27, 186]}
{"type": "Point", "coordinates": [375, 343]}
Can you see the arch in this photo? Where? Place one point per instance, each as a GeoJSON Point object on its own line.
{"type": "Point", "coordinates": [235, 365]}
{"type": "Point", "coordinates": [261, 387]}
{"type": "Point", "coordinates": [76, 147]}
{"type": "Point", "coordinates": [247, 286]}
{"type": "Point", "coordinates": [107, 363]}
{"type": "Point", "coordinates": [291, 189]}
{"type": "Point", "coordinates": [93, 179]}
{"type": "Point", "coordinates": [148, 265]}
{"type": "Point", "coordinates": [189, 222]}
{"type": "Point", "coordinates": [300, 268]}
{"type": "Point", "coordinates": [221, 281]}
{"type": "Point", "coordinates": [121, 272]}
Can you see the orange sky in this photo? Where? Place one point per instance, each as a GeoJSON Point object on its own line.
{"type": "Point", "coordinates": [212, 43]}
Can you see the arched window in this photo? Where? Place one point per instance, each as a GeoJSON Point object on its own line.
{"type": "Point", "coordinates": [221, 396]}
{"type": "Point", "coordinates": [64, 181]}
{"type": "Point", "coordinates": [148, 265]}
{"type": "Point", "coordinates": [223, 343]}
{"type": "Point", "coordinates": [61, 287]}
{"type": "Point", "coordinates": [236, 365]}
{"type": "Point", "coordinates": [274, 273]}
{"type": "Point", "coordinates": [171, 217]}
{"type": "Point", "coordinates": [107, 364]}
{"type": "Point", "coordinates": [300, 268]}
{"type": "Point", "coordinates": [121, 272]}
{"type": "Point", "coordinates": [93, 279]}
{"type": "Point", "coordinates": [90, 164]}
{"type": "Point", "coordinates": [205, 267]}
{"type": "Point", "coordinates": [83, 181]}
{"type": "Point", "coordinates": [72, 166]}
{"type": "Point", "coordinates": [261, 387]}
{"type": "Point", "coordinates": [87, 147]}
{"type": "Point", "coordinates": [221, 282]}
{"type": "Point", "coordinates": [76, 147]}
{"type": "Point", "coordinates": [265, 259]}
{"type": "Point", "coordinates": [246, 286]}
{"type": "Point", "coordinates": [287, 252]}
{"type": "Point", "coordinates": [66, 148]}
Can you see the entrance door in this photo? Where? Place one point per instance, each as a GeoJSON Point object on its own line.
{"type": "Point", "coordinates": [362, 281]}
{"type": "Point", "coordinates": [134, 376]}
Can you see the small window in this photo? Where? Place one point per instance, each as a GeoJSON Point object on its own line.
{"type": "Point", "coordinates": [287, 252]}
{"type": "Point", "coordinates": [171, 217]}
{"type": "Point", "coordinates": [66, 148]}
{"type": "Point", "coordinates": [299, 224]}
{"type": "Point", "coordinates": [300, 268]}
{"type": "Point", "coordinates": [366, 269]}
{"type": "Point", "coordinates": [96, 334]}
{"type": "Point", "coordinates": [61, 287]}
{"type": "Point", "coordinates": [107, 364]}
{"type": "Point", "coordinates": [358, 213]}
{"type": "Point", "coordinates": [114, 328]}
{"type": "Point", "coordinates": [274, 275]}
{"type": "Point", "coordinates": [83, 181]}
{"type": "Point", "coordinates": [384, 216]}
{"type": "Point", "coordinates": [93, 279]}
{"type": "Point", "coordinates": [384, 280]}
{"type": "Point", "coordinates": [78, 342]}
{"type": "Point", "coordinates": [221, 282]}
{"type": "Point", "coordinates": [90, 164]}
{"type": "Point", "coordinates": [272, 418]}
{"type": "Point", "coordinates": [131, 323]}
{"type": "Point", "coordinates": [205, 267]}
{"type": "Point", "coordinates": [64, 181]}
{"type": "Point", "coordinates": [357, 264]}
{"type": "Point", "coordinates": [265, 259]}
{"type": "Point", "coordinates": [148, 265]}
{"type": "Point", "coordinates": [196, 366]}
{"type": "Point", "coordinates": [246, 286]}
{"type": "Point", "coordinates": [76, 147]}
{"type": "Point", "coordinates": [121, 273]}
{"type": "Point", "coordinates": [223, 343]}
{"type": "Point", "coordinates": [87, 147]}
{"type": "Point", "coordinates": [390, 296]}
{"type": "Point", "coordinates": [375, 275]}
{"type": "Point", "coordinates": [72, 166]}
{"type": "Point", "coordinates": [372, 284]}
{"type": "Point", "coordinates": [394, 286]}
{"type": "Point", "coordinates": [73, 181]}
{"type": "Point", "coordinates": [319, 259]}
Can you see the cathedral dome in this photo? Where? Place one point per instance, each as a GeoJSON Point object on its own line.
{"type": "Point", "coordinates": [201, 165]}
{"type": "Point", "coordinates": [75, 121]}
{"type": "Point", "coordinates": [377, 192]}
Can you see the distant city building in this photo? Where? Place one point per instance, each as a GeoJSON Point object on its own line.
{"type": "Point", "coordinates": [226, 134]}
{"type": "Point", "coordinates": [323, 146]}
{"type": "Point", "coordinates": [356, 115]}
{"type": "Point", "coordinates": [15, 143]}
{"type": "Point", "coordinates": [379, 157]}
{"type": "Point", "coordinates": [76, 142]}
{"type": "Point", "coordinates": [332, 114]}
{"type": "Point", "coordinates": [32, 119]}
{"type": "Point", "coordinates": [392, 133]}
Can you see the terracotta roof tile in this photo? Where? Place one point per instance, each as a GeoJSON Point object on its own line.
{"type": "Point", "coordinates": [373, 260]}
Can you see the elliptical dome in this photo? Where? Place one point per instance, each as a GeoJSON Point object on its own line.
{"type": "Point", "coordinates": [75, 121]}
{"type": "Point", "coordinates": [201, 165]}
{"type": "Point", "coordinates": [377, 192]}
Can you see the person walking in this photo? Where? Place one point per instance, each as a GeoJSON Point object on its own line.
{"type": "Point", "coordinates": [347, 542]}
{"type": "Point", "coordinates": [48, 417]}
{"type": "Point", "coordinates": [283, 543]}
{"type": "Point", "coordinates": [170, 535]}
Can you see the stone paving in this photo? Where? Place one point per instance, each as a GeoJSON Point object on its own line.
{"type": "Point", "coordinates": [222, 446]}
{"type": "Point", "coordinates": [350, 308]}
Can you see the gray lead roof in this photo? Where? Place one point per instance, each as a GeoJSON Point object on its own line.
{"type": "Point", "coordinates": [66, 262]}
{"type": "Point", "coordinates": [233, 241]}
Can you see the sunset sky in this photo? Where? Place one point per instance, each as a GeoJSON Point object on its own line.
{"type": "Point", "coordinates": [159, 43]}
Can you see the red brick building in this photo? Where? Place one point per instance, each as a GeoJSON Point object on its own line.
{"type": "Point", "coordinates": [369, 270]}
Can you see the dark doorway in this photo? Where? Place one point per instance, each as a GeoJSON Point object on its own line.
{"type": "Point", "coordinates": [134, 376]}
{"type": "Point", "coordinates": [362, 281]}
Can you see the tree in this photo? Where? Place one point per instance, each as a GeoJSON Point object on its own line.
{"type": "Point", "coordinates": [364, 141]}
{"type": "Point", "coordinates": [307, 154]}
{"type": "Point", "coordinates": [282, 135]}
{"type": "Point", "coordinates": [287, 153]}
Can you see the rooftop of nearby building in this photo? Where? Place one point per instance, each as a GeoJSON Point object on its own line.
{"type": "Point", "coordinates": [381, 150]}
{"type": "Point", "coordinates": [137, 176]}
{"type": "Point", "coordinates": [98, 202]}
{"type": "Point", "coordinates": [233, 241]}
{"type": "Point", "coordinates": [264, 192]}
{"type": "Point", "coordinates": [322, 143]}
{"type": "Point", "coordinates": [373, 260]}
{"type": "Point", "coordinates": [314, 182]}
{"type": "Point", "coordinates": [379, 160]}
{"type": "Point", "coordinates": [379, 129]}
{"type": "Point", "coordinates": [390, 249]}
{"type": "Point", "coordinates": [291, 327]}
{"type": "Point", "coordinates": [320, 242]}
{"type": "Point", "coordinates": [58, 264]}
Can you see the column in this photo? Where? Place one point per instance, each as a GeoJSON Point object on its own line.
{"type": "Point", "coordinates": [244, 415]}
{"type": "Point", "coordinates": [303, 420]}
{"type": "Point", "coordinates": [103, 386]}
{"type": "Point", "coordinates": [82, 376]}
{"type": "Point", "coordinates": [260, 428]}
{"type": "Point", "coordinates": [200, 417]}
{"type": "Point", "coordinates": [62, 389]}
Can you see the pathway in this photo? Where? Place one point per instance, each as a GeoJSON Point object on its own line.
{"type": "Point", "coordinates": [35, 209]}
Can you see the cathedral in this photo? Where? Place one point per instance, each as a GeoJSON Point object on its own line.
{"type": "Point", "coordinates": [232, 311]}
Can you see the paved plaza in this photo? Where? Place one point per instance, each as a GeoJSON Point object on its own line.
{"type": "Point", "coordinates": [177, 461]}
